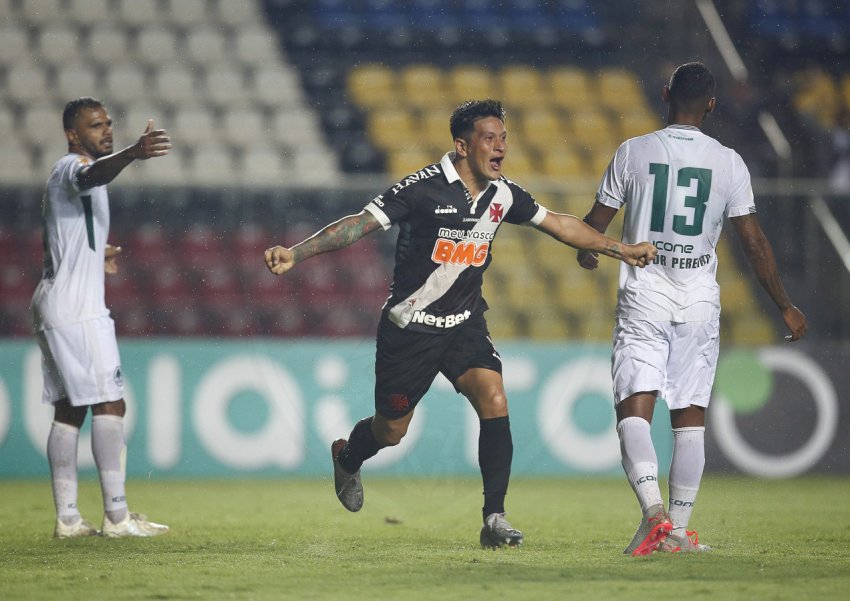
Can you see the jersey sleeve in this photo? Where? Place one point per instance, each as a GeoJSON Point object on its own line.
{"type": "Point", "coordinates": [612, 188]}
{"type": "Point", "coordinates": [390, 207]}
{"type": "Point", "coordinates": [741, 200]}
{"type": "Point", "coordinates": [67, 170]}
{"type": "Point", "coordinates": [524, 208]}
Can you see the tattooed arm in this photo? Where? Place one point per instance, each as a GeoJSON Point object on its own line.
{"type": "Point", "coordinates": [334, 236]}
{"type": "Point", "coordinates": [571, 231]}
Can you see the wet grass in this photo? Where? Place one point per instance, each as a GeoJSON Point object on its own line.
{"type": "Point", "coordinates": [418, 539]}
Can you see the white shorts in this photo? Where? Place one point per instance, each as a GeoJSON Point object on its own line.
{"type": "Point", "coordinates": [80, 362]}
{"type": "Point", "coordinates": [676, 359]}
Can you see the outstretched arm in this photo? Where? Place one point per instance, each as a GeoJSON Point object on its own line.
{"type": "Point", "coordinates": [334, 236]}
{"type": "Point", "coordinates": [152, 143]}
{"type": "Point", "coordinates": [570, 230]}
{"type": "Point", "coordinates": [599, 218]}
{"type": "Point", "coordinates": [760, 255]}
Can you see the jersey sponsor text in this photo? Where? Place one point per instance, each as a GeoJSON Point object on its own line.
{"type": "Point", "coordinates": [445, 321]}
{"type": "Point", "coordinates": [460, 253]}
{"type": "Point", "coordinates": [425, 173]}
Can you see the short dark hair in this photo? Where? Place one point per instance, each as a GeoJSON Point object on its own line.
{"type": "Point", "coordinates": [690, 84]}
{"type": "Point", "coordinates": [72, 109]}
{"type": "Point", "coordinates": [463, 118]}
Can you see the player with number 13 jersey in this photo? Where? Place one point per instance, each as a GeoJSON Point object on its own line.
{"type": "Point", "coordinates": [680, 183]}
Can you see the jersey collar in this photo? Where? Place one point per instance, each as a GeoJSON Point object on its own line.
{"type": "Point", "coordinates": [452, 176]}
{"type": "Point", "coordinates": [449, 167]}
{"type": "Point", "coordinates": [679, 126]}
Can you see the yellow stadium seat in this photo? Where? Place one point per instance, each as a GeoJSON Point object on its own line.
{"type": "Point", "coordinates": [564, 161]}
{"type": "Point", "coordinates": [619, 88]}
{"type": "Point", "coordinates": [519, 164]}
{"type": "Point", "coordinates": [522, 88]}
{"type": "Point", "coordinates": [736, 296]}
{"type": "Point", "coordinates": [547, 199]}
{"type": "Point", "coordinates": [504, 326]}
{"type": "Point", "coordinates": [550, 325]}
{"type": "Point", "coordinates": [423, 87]}
{"type": "Point", "coordinates": [390, 128]}
{"type": "Point", "coordinates": [401, 163]}
{"type": "Point", "coordinates": [727, 266]}
{"type": "Point", "coordinates": [578, 204]}
{"type": "Point", "coordinates": [635, 123]}
{"type": "Point", "coordinates": [752, 329]}
{"type": "Point", "coordinates": [541, 128]}
{"type": "Point", "coordinates": [434, 129]}
{"type": "Point", "coordinates": [470, 82]}
{"type": "Point", "coordinates": [599, 160]}
{"type": "Point", "coordinates": [575, 289]}
{"type": "Point", "coordinates": [845, 90]}
{"type": "Point", "coordinates": [589, 127]}
{"type": "Point", "coordinates": [373, 85]}
{"type": "Point", "coordinates": [817, 96]}
{"type": "Point", "coordinates": [524, 295]}
{"type": "Point", "coordinates": [502, 321]}
{"type": "Point", "coordinates": [596, 325]}
{"type": "Point", "coordinates": [571, 88]}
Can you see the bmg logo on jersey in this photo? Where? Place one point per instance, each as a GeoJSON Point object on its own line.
{"type": "Point", "coordinates": [460, 253]}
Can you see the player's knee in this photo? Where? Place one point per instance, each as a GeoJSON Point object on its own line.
{"type": "Point", "coordinates": [392, 436]}
{"type": "Point", "coordinates": [494, 404]}
{"type": "Point", "coordinates": [66, 413]}
{"type": "Point", "coordinates": [390, 433]}
{"type": "Point", "coordinates": [118, 408]}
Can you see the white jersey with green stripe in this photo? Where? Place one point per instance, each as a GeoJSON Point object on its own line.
{"type": "Point", "coordinates": [677, 185]}
{"type": "Point", "coordinates": [75, 228]}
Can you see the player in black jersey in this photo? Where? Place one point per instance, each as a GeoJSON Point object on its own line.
{"type": "Point", "coordinates": [448, 215]}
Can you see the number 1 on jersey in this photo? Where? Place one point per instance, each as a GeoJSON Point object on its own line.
{"type": "Point", "coordinates": [86, 200]}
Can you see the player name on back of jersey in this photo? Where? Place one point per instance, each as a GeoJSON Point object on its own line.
{"type": "Point", "coordinates": [675, 262]}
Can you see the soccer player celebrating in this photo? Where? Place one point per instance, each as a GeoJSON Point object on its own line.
{"type": "Point", "coordinates": [80, 360]}
{"type": "Point", "coordinates": [448, 215]}
{"type": "Point", "coordinates": [677, 185]}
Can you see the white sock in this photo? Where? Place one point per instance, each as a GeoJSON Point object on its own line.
{"type": "Point", "coordinates": [107, 445]}
{"type": "Point", "coordinates": [639, 461]}
{"type": "Point", "coordinates": [685, 475]}
{"type": "Point", "coordinates": [62, 457]}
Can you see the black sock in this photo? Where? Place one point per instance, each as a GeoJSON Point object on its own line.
{"type": "Point", "coordinates": [361, 445]}
{"type": "Point", "coordinates": [495, 453]}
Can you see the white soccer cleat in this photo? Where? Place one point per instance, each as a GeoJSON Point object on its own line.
{"type": "Point", "coordinates": [684, 544]}
{"type": "Point", "coordinates": [652, 532]}
{"type": "Point", "coordinates": [78, 529]}
{"type": "Point", "coordinates": [133, 524]}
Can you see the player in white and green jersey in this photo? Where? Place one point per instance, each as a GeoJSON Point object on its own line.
{"type": "Point", "coordinates": [80, 360]}
{"type": "Point", "coordinates": [677, 185]}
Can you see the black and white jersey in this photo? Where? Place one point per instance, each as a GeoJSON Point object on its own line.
{"type": "Point", "coordinates": [444, 243]}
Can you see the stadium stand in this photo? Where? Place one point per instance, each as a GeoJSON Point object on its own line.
{"type": "Point", "coordinates": [313, 92]}
{"type": "Point", "coordinates": [217, 56]}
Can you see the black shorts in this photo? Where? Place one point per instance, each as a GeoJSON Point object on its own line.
{"type": "Point", "coordinates": [406, 362]}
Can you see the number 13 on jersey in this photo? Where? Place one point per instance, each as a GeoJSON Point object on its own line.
{"type": "Point", "coordinates": [684, 179]}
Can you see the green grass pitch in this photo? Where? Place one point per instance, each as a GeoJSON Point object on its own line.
{"type": "Point", "coordinates": [418, 539]}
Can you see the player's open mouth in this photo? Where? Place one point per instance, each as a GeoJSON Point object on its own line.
{"type": "Point", "coordinates": [496, 163]}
